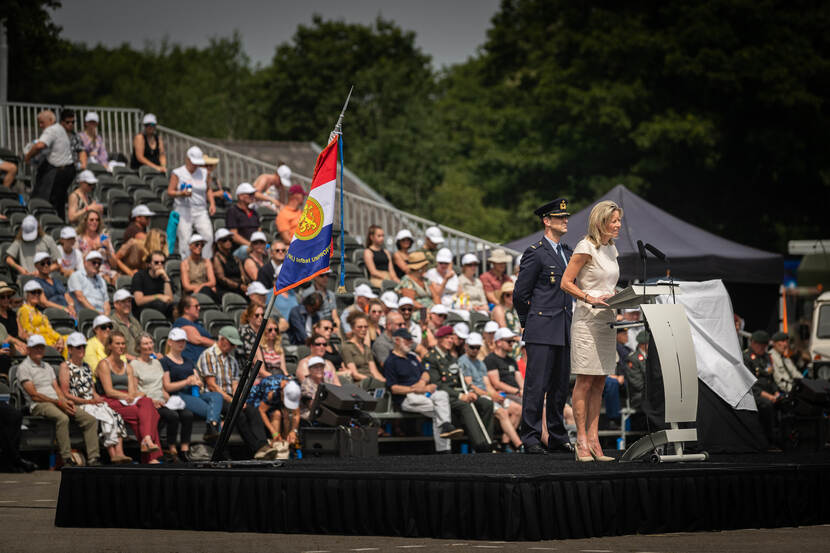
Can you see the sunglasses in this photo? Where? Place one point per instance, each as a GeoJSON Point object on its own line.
{"type": "Point", "coordinates": [324, 328]}
{"type": "Point", "coordinates": [157, 262]}
{"type": "Point", "coordinates": [474, 347]}
{"type": "Point", "coordinates": [271, 330]}
{"type": "Point", "coordinates": [105, 327]}
{"type": "Point", "coordinates": [280, 250]}
{"type": "Point", "coordinates": [225, 239]}
{"type": "Point", "coordinates": [95, 263]}
{"type": "Point", "coordinates": [6, 296]}
{"type": "Point", "coordinates": [44, 262]}
{"type": "Point", "coordinates": [405, 309]}
{"type": "Point", "coordinates": [257, 315]}
{"type": "Point", "coordinates": [319, 344]}
{"type": "Point", "coordinates": [198, 245]}
{"type": "Point", "coordinates": [36, 292]}
{"type": "Point", "coordinates": [440, 314]}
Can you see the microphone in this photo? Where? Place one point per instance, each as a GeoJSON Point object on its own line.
{"type": "Point", "coordinates": [641, 249]}
{"type": "Point", "coordinates": [657, 253]}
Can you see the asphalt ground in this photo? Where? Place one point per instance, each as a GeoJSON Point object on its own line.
{"type": "Point", "coordinates": [27, 513]}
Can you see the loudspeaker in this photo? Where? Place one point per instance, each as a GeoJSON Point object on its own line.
{"type": "Point", "coordinates": [326, 417]}
{"type": "Point", "coordinates": [340, 442]}
{"type": "Point", "coordinates": [346, 397]}
{"type": "Point", "coordinates": [812, 391]}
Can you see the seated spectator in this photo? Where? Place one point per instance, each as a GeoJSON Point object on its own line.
{"type": "Point", "coordinates": [9, 171]}
{"type": "Point", "coordinates": [375, 315]}
{"type": "Point", "coordinates": [488, 334]}
{"type": "Point", "coordinates": [152, 288]}
{"type": "Point", "coordinates": [148, 147]}
{"type": "Point", "coordinates": [46, 399]}
{"type": "Point", "coordinates": [121, 393]}
{"type": "Point", "coordinates": [54, 292]}
{"type": "Point", "coordinates": [502, 370]}
{"type": "Point", "coordinates": [505, 314]}
{"type": "Point", "coordinates": [92, 238]}
{"type": "Point", "coordinates": [197, 272]}
{"type": "Point", "coordinates": [270, 349]}
{"type": "Point", "coordinates": [460, 333]}
{"type": "Point", "coordinates": [256, 255]}
{"type": "Point", "coordinates": [493, 279]}
{"type": "Point", "coordinates": [289, 216]}
{"type": "Point", "coordinates": [5, 358]}
{"type": "Point", "coordinates": [317, 344]}
{"type": "Point", "coordinates": [198, 337]}
{"type": "Point", "coordinates": [31, 320]}
{"type": "Point", "coordinates": [139, 222]}
{"type": "Point", "coordinates": [408, 382]}
{"type": "Point", "coordinates": [765, 389]}
{"type": "Point", "coordinates": [271, 187]}
{"type": "Point", "coordinates": [416, 330]}
{"type": "Point", "coordinates": [382, 347]}
{"type": "Point", "coordinates": [784, 371]}
{"type": "Point", "coordinates": [326, 329]}
{"type": "Point", "coordinates": [635, 372]}
{"type": "Point", "coordinates": [363, 294]}
{"type": "Point", "coordinates": [30, 240]}
{"type": "Point", "coordinates": [249, 321]}
{"type": "Point", "coordinates": [93, 142]}
{"type": "Point", "coordinates": [328, 310]}
{"type": "Point", "coordinates": [81, 201]}
{"type": "Point", "coordinates": [443, 282]}
{"type": "Point", "coordinates": [134, 254]}
{"type": "Point", "coordinates": [433, 238]}
{"type": "Point", "coordinates": [256, 293]}
{"type": "Point", "coordinates": [189, 189]}
{"type": "Point", "coordinates": [182, 379]}
{"type": "Point", "coordinates": [507, 412]}
{"type": "Point", "coordinates": [269, 271]}
{"type": "Point", "coordinates": [88, 287]}
{"type": "Point", "coordinates": [357, 355]}
{"type": "Point", "coordinates": [124, 321]}
{"type": "Point", "coordinates": [389, 299]}
{"type": "Point", "coordinates": [218, 367]}
{"type": "Point", "coordinates": [227, 268]}
{"type": "Point", "coordinates": [413, 285]}
{"type": "Point", "coordinates": [77, 385]}
{"type": "Point", "coordinates": [377, 260]}
{"type": "Point", "coordinates": [277, 400]}
{"type": "Point", "coordinates": [316, 371]}
{"type": "Point", "coordinates": [8, 321]}
{"type": "Point", "coordinates": [69, 258]}
{"type": "Point", "coordinates": [11, 423]}
{"type": "Point", "coordinates": [149, 376]}
{"type": "Point", "coordinates": [96, 351]}
{"type": "Point", "coordinates": [403, 241]}
{"type": "Point", "coordinates": [303, 317]}
{"type": "Point", "coordinates": [242, 219]}
{"type": "Point", "coordinates": [436, 318]}
{"type": "Point", "coordinates": [469, 286]}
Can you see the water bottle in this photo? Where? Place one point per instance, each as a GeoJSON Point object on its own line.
{"type": "Point", "coordinates": [465, 449]}
{"type": "Point", "coordinates": [620, 445]}
{"type": "Point", "coordinates": [428, 394]}
{"type": "Point", "coordinates": [4, 345]}
{"type": "Point", "coordinates": [226, 196]}
{"type": "Point", "coordinates": [153, 356]}
{"type": "Point", "coordinates": [194, 391]}
{"type": "Point", "coordinates": [298, 453]}
{"type": "Point", "coordinates": [103, 237]}
{"type": "Point", "coordinates": [52, 461]}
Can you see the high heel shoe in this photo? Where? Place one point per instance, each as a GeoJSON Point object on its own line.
{"type": "Point", "coordinates": [601, 457]}
{"type": "Point", "coordinates": [580, 458]}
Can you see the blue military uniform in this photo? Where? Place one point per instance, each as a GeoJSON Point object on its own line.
{"type": "Point", "coordinates": [545, 312]}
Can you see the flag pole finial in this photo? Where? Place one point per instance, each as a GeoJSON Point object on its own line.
{"type": "Point", "coordinates": [338, 127]}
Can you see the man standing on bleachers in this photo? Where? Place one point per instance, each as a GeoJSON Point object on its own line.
{"type": "Point", "coordinates": [47, 400]}
{"type": "Point", "coordinates": [55, 176]}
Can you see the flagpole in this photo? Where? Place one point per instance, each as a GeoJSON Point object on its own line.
{"type": "Point", "coordinates": [338, 132]}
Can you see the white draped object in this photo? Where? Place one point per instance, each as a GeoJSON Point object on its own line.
{"type": "Point", "coordinates": [108, 422]}
{"type": "Point", "coordinates": [720, 361]}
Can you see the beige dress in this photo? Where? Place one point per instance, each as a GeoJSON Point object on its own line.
{"type": "Point", "coordinates": [593, 341]}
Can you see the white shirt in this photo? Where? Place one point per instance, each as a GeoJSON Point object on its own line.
{"type": "Point", "coordinates": [452, 284]}
{"type": "Point", "coordinates": [94, 289]}
{"type": "Point", "coordinates": [71, 261]}
{"type": "Point", "coordinates": [57, 141]}
{"type": "Point", "coordinates": [197, 202]}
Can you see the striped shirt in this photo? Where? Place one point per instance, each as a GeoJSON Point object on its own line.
{"type": "Point", "coordinates": [224, 367]}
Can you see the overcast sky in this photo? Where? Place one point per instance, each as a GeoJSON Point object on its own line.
{"type": "Point", "coordinates": [449, 30]}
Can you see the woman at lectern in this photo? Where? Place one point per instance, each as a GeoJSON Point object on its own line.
{"type": "Point", "coordinates": [591, 277]}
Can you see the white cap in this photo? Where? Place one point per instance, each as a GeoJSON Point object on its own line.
{"type": "Point", "coordinates": [284, 171]}
{"type": "Point", "coordinates": [91, 116]}
{"type": "Point", "coordinates": [504, 333]}
{"type": "Point", "coordinates": [245, 188]}
{"type": "Point", "coordinates": [35, 340]}
{"type": "Point", "coordinates": [87, 176]}
{"type": "Point", "coordinates": [195, 155]}
{"type": "Point", "coordinates": [469, 259]}
{"type": "Point", "coordinates": [40, 256]}
{"type": "Point", "coordinates": [405, 301]}
{"type": "Point", "coordinates": [435, 235]}
{"type": "Point", "coordinates": [29, 228]}
{"type": "Point", "coordinates": [256, 287]}
{"type": "Point", "coordinates": [196, 238]}
{"type": "Point", "coordinates": [439, 309]}
{"type": "Point", "coordinates": [32, 285]}
{"type": "Point", "coordinates": [141, 211]}
{"type": "Point", "coordinates": [444, 255]}
{"type": "Point", "coordinates": [220, 234]}
{"type": "Point", "coordinates": [76, 339]}
{"type": "Point", "coordinates": [389, 299]}
{"type": "Point", "coordinates": [404, 234]}
{"type": "Point", "coordinates": [149, 119]}
{"type": "Point", "coordinates": [291, 395]}
{"type": "Point", "coordinates": [461, 330]}
{"type": "Point", "coordinates": [67, 233]}
{"type": "Point", "coordinates": [258, 235]}
{"type": "Point", "coordinates": [364, 291]}
{"type": "Point", "coordinates": [491, 326]}
{"type": "Point", "coordinates": [121, 294]}
{"type": "Point", "coordinates": [316, 360]}
{"type": "Point", "coordinates": [101, 320]}
{"type": "Point", "coordinates": [475, 339]}
{"type": "Point", "coordinates": [93, 254]}
{"type": "Point", "coordinates": [176, 334]}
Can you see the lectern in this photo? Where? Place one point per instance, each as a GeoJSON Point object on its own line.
{"type": "Point", "coordinates": [672, 337]}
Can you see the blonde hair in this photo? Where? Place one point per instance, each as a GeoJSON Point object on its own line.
{"type": "Point", "coordinates": [598, 219]}
{"type": "Point", "coordinates": [155, 240]}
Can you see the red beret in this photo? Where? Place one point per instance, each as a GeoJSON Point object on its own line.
{"type": "Point", "coordinates": [445, 330]}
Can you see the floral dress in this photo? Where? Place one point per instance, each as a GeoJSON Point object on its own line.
{"type": "Point", "coordinates": [422, 295]}
{"type": "Point", "coordinates": [110, 424]}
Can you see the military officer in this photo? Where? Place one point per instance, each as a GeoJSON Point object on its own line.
{"type": "Point", "coordinates": [545, 314]}
{"type": "Point", "coordinates": [443, 370]}
{"type": "Point", "coordinates": [765, 390]}
{"type": "Point", "coordinates": [635, 372]}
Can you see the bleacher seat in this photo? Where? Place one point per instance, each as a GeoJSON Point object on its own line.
{"type": "Point", "coordinates": [60, 320]}
{"type": "Point", "coordinates": [7, 193]}
{"type": "Point", "coordinates": [39, 206]}
{"type": "Point", "coordinates": [477, 321]}
{"type": "Point", "coordinates": [11, 205]}
{"type": "Point", "coordinates": [120, 207]}
{"type": "Point", "coordinates": [50, 221]}
{"type": "Point", "coordinates": [85, 318]}
{"type": "Point", "coordinates": [124, 281]}
{"type": "Point", "coordinates": [96, 168]}
{"type": "Point", "coordinates": [144, 196]}
{"type": "Point", "coordinates": [146, 171]}
{"type": "Point", "coordinates": [206, 302]}
{"type": "Point", "coordinates": [232, 301]}
{"type": "Point", "coordinates": [215, 319]}
{"type": "Point", "coordinates": [152, 318]}
{"type": "Point", "coordinates": [160, 334]}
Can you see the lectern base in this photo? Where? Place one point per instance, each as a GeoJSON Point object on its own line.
{"type": "Point", "coordinates": [648, 444]}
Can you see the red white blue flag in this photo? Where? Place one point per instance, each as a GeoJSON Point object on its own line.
{"type": "Point", "coordinates": [309, 253]}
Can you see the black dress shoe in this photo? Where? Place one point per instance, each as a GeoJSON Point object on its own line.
{"type": "Point", "coordinates": [536, 449]}
{"type": "Point", "coordinates": [564, 447]}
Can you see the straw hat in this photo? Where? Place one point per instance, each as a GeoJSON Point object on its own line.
{"type": "Point", "coordinates": [417, 261]}
{"type": "Point", "coordinates": [506, 287]}
{"type": "Point", "coordinates": [499, 256]}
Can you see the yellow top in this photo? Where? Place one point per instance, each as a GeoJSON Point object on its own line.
{"type": "Point", "coordinates": [33, 321]}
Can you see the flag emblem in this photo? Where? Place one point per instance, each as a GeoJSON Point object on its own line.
{"type": "Point", "coordinates": [311, 221]}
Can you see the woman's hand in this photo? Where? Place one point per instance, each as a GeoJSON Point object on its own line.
{"type": "Point", "coordinates": [596, 300]}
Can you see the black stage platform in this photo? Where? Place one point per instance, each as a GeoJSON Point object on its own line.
{"type": "Point", "coordinates": [493, 497]}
